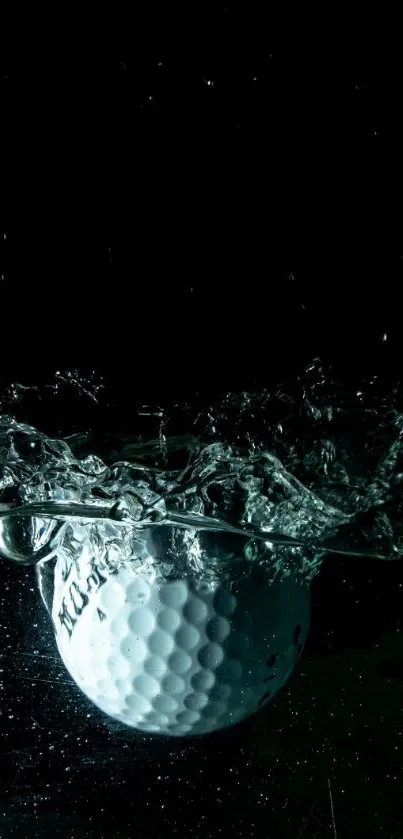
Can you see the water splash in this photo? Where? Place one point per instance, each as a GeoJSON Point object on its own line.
{"type": "Point", "coordinates": [314, 462]}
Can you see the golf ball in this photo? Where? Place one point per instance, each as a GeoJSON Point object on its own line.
{"type": "Point", "coordinates": [176, 656]}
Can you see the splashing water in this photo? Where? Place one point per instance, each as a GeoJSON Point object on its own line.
{"type": "Point", "coordinates": [279, 478]}
{"type": "Point", "coordinates": [263, 488]}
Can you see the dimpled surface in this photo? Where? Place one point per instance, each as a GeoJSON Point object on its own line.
{"type": "Point", "coordinates": [178, 657]}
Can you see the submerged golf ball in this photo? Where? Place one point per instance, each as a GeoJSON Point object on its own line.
{"type": "Point", "coordinates": [176, 656]}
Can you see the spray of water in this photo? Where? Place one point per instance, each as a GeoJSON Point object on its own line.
{"type": "Point", "coordinates": [272, 477]}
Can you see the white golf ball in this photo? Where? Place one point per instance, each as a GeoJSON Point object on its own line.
{"type": "Point", "coordinates": [176, 657]}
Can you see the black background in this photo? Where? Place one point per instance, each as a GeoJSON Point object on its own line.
{"type": "Point", "coordinates": [154, 211]}
{"type": "Point", "coordinates": [180, 236]}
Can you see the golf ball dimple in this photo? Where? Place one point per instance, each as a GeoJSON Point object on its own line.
{"type": "Point", "coordinates": [141, 622]}
{"type": "Point", "coordinates": [175, 657]}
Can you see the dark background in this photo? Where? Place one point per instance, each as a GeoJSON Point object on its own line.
{"type": "Point", "coordinates": [180, 236]}
{"type": "Point", "coordinates": [154, 220]}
